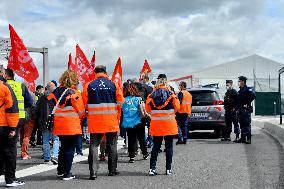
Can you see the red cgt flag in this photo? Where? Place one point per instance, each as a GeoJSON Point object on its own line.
{"type": "Point", "coordinates": [117, 73]}
{"type": "Point", "coordinates": [146, 70]}
{"type": "Point", "coordinates": [71, 65]}
{"type": "Point", "coordinates": [20, 60]}
{"type": "Point", "coordinates": [32, 86]}
{"type": "Point", "coordinates": [93, 61]}
{"type": "Point", "coordinates": [85, 71]}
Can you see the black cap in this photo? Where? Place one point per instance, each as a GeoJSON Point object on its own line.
{"type": "Point", "coordinates": [160, 76]}
{"type": "Point", "coordinates": [182, 83]}
{"type": "Point", "coordinates": [243, 78]}
{"type": "Point", "coordinates": [229, 81]}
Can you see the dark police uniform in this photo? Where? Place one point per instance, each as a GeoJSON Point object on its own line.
{"type": "Point", "coordinates": [230, 105]}
{"type": "Point", "coordinates": [245, 96]}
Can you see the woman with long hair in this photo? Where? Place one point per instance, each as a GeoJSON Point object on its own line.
{"type": "Point", "coordinates": [69, 111]}
{"type": "Point", "coordinates": [162, 104]}
{"type": "Point", "coordinates": [131, 121]}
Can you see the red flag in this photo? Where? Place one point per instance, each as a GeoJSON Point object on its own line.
{"type": "Point", "coordinates": [70, 62]}
{"type": "Point", "coordinates": [93, 61]}
{"type": "Point", "coordinates": [85, 71]}
{"type": "Point", "coordinates": [32, 86]}
{"type": "Point", "coordinates": [20, 60]}
{"type": "Point", "coordinates": [146, 70]}
{"type": "Point", "coordinates": [117, 73]}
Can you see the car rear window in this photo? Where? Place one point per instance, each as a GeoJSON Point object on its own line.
{"type": "Point", "coordinates": [200, 98]}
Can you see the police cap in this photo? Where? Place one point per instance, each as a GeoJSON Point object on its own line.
{"type": "Point", "coordinates": [229, 81]}
{"type": "Point", "coordinates": [243, 78]}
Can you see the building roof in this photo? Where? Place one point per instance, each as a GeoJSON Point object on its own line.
{"type": "Point", "coordinates": [247, 66]}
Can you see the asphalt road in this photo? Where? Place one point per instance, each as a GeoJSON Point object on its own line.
{"type": "Point", "coordinates": [204, 162]}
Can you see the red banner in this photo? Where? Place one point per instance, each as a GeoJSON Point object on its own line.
{"type": "Point", "coordinates": [93, 61]}
{"type": "Point", "coordinates": [32, 86]}
{"type": "Point", "coordinates": [146, 70]}
{"type": "Point", "coordinates": [117, 73]}
{"type": "Point", "coordinates": [85, 71]}
{"type": "Point", "coordinates": [20, 60]}
{"type": "Point", "coordinates": [71, 65]}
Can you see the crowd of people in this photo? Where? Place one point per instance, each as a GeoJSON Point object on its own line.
{"type": "Point", "coordinates": [61, 118]}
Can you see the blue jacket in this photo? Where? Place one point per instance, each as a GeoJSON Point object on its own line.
{"type": "Point", "coordinates": [245, 96]}
{"type": "Point", "coordinates": [131, 114]}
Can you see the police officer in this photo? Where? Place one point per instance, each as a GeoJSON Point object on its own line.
{"type": "Point", "coordinates": [230, 104]}
{"type": "Point", "coordinates": [244, 108]}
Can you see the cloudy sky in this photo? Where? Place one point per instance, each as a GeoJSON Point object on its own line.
{"type": "Point", "coordinates": [177, 37]}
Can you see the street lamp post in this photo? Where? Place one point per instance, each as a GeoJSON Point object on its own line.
{"type": "Point", "coordinates": [279, 91]}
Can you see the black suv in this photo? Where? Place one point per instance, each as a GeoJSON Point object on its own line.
{"type": "Point", "coordinates": [207, 110]}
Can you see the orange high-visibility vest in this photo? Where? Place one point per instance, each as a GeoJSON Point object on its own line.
{"type": "Point", "coordinates": [103, 98]}
{"type": "Point", "coordinates": [67, 119]}
{"type": "Point", "coordinates": [9, 112]}
{"type": "Point", "coordinates": [163, 122]}
{"type": "Point", "coordinates": [185, 104]}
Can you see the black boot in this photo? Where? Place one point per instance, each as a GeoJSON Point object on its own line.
{"type": "Point", "coordinates": [241, 140]}
{"type": "Point", "coordinates": [248, 141]}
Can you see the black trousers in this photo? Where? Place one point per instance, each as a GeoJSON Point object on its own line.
{"type": "Point", "coordinates": [66, 154]}
{"type": "Point", "coordinates": [156, 148]}
{"type": "Point", "coordinates": [231, 117]}
{"type": "Point", "coordinates": [134, 134]}
{"type": "Point", "coordinates": [8, 154]}
{"type": "Point", "coordinates": [111, 147]}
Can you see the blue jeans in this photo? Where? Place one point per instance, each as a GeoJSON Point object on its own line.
{"type": "Point", "coordinates": [182, 121]}
{"type": "Point", "coordinates": [156, 148]}
{"type": "Point", "coordinates": [66, 154]}
{"type": "Point", "coordinates": [46, 137]}
{"type": "Point", "coordinates": [79, 145]}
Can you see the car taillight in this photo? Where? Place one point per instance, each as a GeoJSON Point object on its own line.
{"type": "Point", "coordinates": [219, 102]}
{"type": "Point", "coordinates": [218, 108]}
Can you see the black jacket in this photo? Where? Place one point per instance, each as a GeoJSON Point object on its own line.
{"type": "Point", "coordinates": [230, 99]}
{"type": "Point", "coordinates": [43, 110]}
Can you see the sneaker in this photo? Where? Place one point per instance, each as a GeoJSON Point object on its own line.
{"type": "Point", "coordinates": [54, 160]}
{"type": "Point", "coordinates": [131, 160]}
{"type": "Point", "coordinates": [68, 177]}
{"type": "Point", "coordinates": [47, 162]}
{"type": "Point", "coordinates": [169, 172]}
{"type": "Point", "coordinates": [152, 172]}
{"type": "Point", "coordinates": [179, 142]}
{"type": "Point", "coordinates": [60, 175]}
{"type": "Point", "coordinates": [93, 177]}
{"type": "Point", "coordinates": [26, 157]}
{"type": "Point", "coordinates": [15, 183]}
{"type": "Point", "coordinates": [146, 156]}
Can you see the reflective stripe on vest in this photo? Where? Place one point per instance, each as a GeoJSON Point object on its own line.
{"type": "Point", "coordinates": [103, 112]}
{"type": "Point", "coordinates": [102, 108]}
{"type": "Point", "coordinates": [102, 105]}
{"type": "Point", "coordinates": [67, 111]}
{"type": "Point", "coordinates": [162, 111]}
{"type": "Point", "coordinates": [17, 88]}
{"type": "Point", "coordinates": [163, 118]}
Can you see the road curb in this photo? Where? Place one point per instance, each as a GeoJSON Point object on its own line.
{"type": "Point", "coordinates": [276, 131]}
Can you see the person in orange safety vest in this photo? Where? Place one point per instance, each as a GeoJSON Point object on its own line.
{"type": "Point", "coordinates": [184, 112]}
{"type": "Point", "coordinates": [69, 111]}
{"type": "Point", "coordinates": [103, 98]}
{"type": "Point", "coordinates": [162, 104]}
{"type": "Point", "coordinates": [9, 118]}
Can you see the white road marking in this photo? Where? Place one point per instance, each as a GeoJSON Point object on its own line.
{"type": "Point", "coordinates": [43, 167]}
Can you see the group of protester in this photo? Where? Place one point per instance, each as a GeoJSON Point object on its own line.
{"type": "Point", "coordinates": [63, 114]}
{"type": "Point", "coordinates": [59, 116]}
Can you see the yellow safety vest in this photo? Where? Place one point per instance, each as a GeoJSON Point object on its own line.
{"type": "Point", "coordinates": [17, 88]}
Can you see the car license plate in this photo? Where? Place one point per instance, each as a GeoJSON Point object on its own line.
{"type": "Point", "coordinates": [199, 116]}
